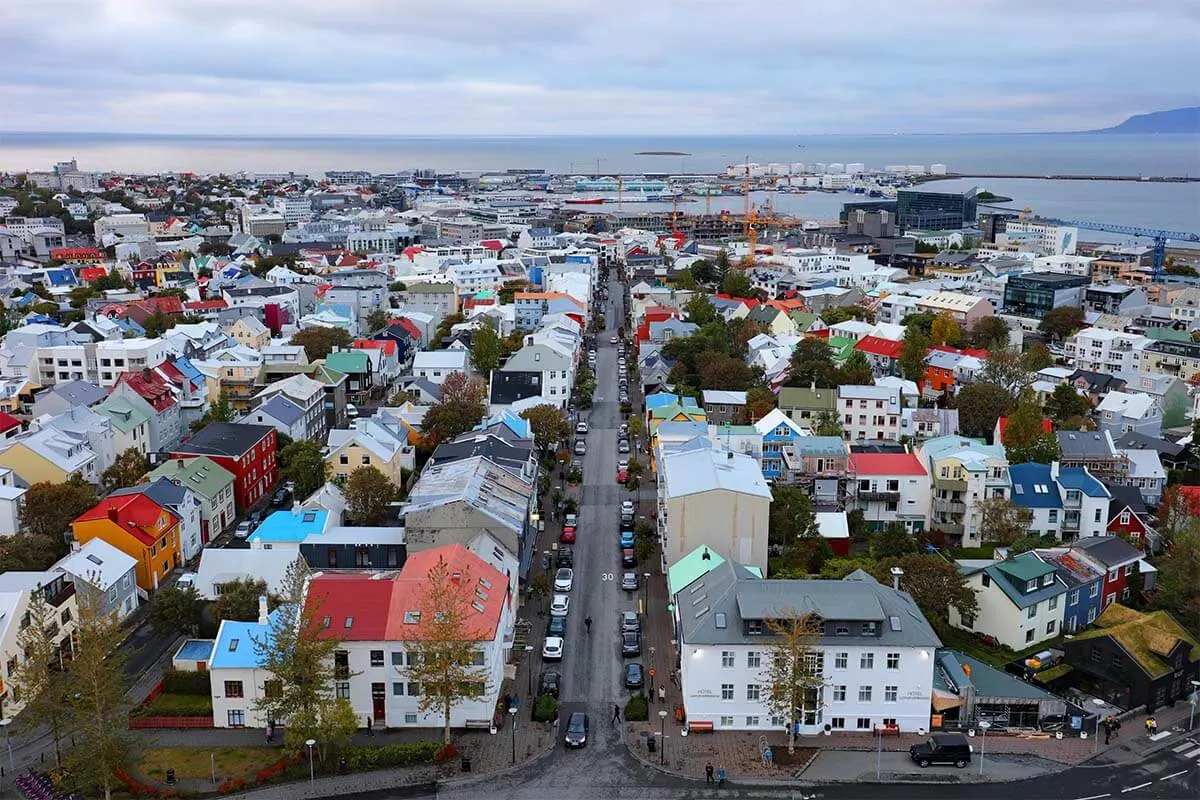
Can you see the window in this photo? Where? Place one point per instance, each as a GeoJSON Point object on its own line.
{"type": "Point", "coordinates": [1050, 626]}
{"type": "Point", "coordinates": [1073, 598]}
{"type": "Point", "coordinates": [376, 658]}
{"type": "Point", "coordinates": [753, 690]}
{"type": "Point", "coordinates": [236, 718]}
{"type": "Point", "coordinates": [752, 722]}
{"type": "Point", "coordinates": [1114, 573]}
{"type": "Point", "coordinates": [726, 722]}
{"type": "Point", "coordinates": [410, 719]}
{"type": "Point", "coordinates": [753, 660]}
{"type": "Point", "coordinates": [398, 689]}
{"type": "Point", "coordinates": [233, 689]}
{"type": "Point", "coordinates": [864, 694]}
{"type": "Point", "coordinates": [1124, 518]}
{"type": "Point", "coordinates": [754, 627]}
{"type": "Point", "coordinates": [343, 459]}
{"type": "Point", "coordinates": [414, 689]}
{"type": "Point", "coordinates": [1109, 599]}
{"type": "Point", "coordinates": [866, 661]}
{"type": "Point", "coordinates": [1095, 590]}
{"type": "Point", "coordinates": [837, 723]}
{"type": "Point", "coordinates": [1031, 612]}
{"type": "Point", "coordinates": [1096, 654]}
{"type": "Point", "coordinates": [839, 694]}
{"type": "Point", "coordinates": [890, 693]}
{"type": "Point", "coordinates": [864, 723]}
{"type": "Point", "coordinates": [1031, 586]}
{"type": "Point", "coordinates": [1052, 604]}
{"type": "Point", "coordinates": [841, 629]}
{"type": "Point", "coordinates": [727, 658]}
{"type": "Point", "coordinates": [397, 658]}
{"type": "Point", "coordinates": [868, 628]}
{"type": "Point", "coordinates": [986, 580]}
{"type": "Point", "coordinates": [1091, 615]}
{"type": "Point", "coordinates": [1128, 570]}
{"type": "Point", "coordinates": [1052, 515]}
{"type": "Point", "coordinates": [1029, 636]}
{"type": "Point", "coordinates": [341, 690]}
{"type": "Point", "coordinates": [366, 460]}
{"type": "Point", "coordinates": [726, 691]}
{"type": "Point", "coordinates": [840, 660]}
{"type": "Point", "coordinates": [893, 661]}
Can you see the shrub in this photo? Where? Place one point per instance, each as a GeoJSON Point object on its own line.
{"type": "Point", "coordinates": [637, 709]}
{"type": "Point", "coordinates": [392, 755]}
{"type": "Point", "coordinates": [545, 708]}
{"type": "Point", "coordinates": [445, 753]}
{"type": "Point", "coordinates": [267, 773]}
{"type": "Point", "coordinates": [181, 682]}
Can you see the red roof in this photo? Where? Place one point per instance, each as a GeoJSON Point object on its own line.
{"type": "Point", "coordinates": [878, 346]}
{"type": "Point", "coordinates": [410, 326]}
{"type": "Point", "coordinates": [1002, 422]}
{"type": "Point", "coordinates": [964, 351]}
{"type": "Point", "coordinates": [89, 274]}
{"type": "Point", "coordinates": [885, 464]}
{"type": "Point", "coordinates": [136, 514]}
{"type": "Point", "coordinates": [167, 305]}
{"type": "Point", "coordinates": [377, 609]}
{"type": "Point", "coordinates": [205, 305]}
{"type": "Point", "coordinates": [494, 244]}
{"type": "Point", "coordinates": [68, 253]}
{"type": "Point", "coordinates": [8, 422]}
{"type": "Point", "coordinates": [151, 387]}
{"type": "Point", "coordinates": [749, 302]}
{"type": "Point", "coordinates": [388, 346]}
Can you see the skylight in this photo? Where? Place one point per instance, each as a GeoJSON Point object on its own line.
{"type": "Point", "coordinates": [485, 583]}
{"type": "Point", "coordinates": [412, 617]}
{"type": "Point", "coordinates": [1018, 488]}
{"type": "Point", "coordinates": [478, 606]}
{"type": "Point", "coordinates": [894, 622]}
{"type": "Point", "coordinates": [233, 644]}
{"type": "Point", "coordinates": [719, 619]}
{"type": "Point", "coordinates": [95, 559]}
{"type": "Point", "coordinates": [309, 516]}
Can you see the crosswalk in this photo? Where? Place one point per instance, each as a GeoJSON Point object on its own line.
{"type": "Point", "coordinates": [1188, 749]}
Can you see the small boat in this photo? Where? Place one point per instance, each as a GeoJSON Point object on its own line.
{"type": "Point", "coordinates": [584, 201]}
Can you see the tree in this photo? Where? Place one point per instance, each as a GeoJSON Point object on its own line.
{"type": "Point", "coordinates": [702, 270]}
{"type": "Point", "coordinates": [220, 410]}
{"type": "Point", "coordinates": [1061, 322]}
{"type": "Point", "coordinates": [988, 333]}
{"type": "Point", "coordinates": [97, 709]}
{"type": "Point", "coordinates": [127, 470]}
{"type": "Point", "coordinates": [303, 463]}
{"type": "Point", "coordinates": [1004, 368]}
{"type": "Point", "coordinates": [934, 583]}
{"type": "Point", "coordinates": [1002, 521]}
{"type": "Point", "coordinates": [855, 371]}
{"type": "Point", "coordinates": [239, 599]}
{"type": "Point", "coordinates": [828, 423]}
{"type": "Point", "coordinates": [736, 284]}
{"type": "Point", "coordinates": [319, 342]}
{"type": "Point", "coordinates": [918, 320]}
{"type": "Point", "coordinates": [760, 401]}
{"type": "Point", "coordinates": [459, 409]}
{"type": "Point", "coordinates": [549, 425]}
{"type": "Point", "coordinates": [790, 518]}
{"type": "Point", "coordinates": [50, 508]}
{"type": "Point", "coordinates": [377, 320]}
{"type": "Point", "coordinates": [1176, 512]}
{"type": "Point", "coordinates": [175, 609]}
{"type": "Point", "coordinates": [811, 363]}
{"type": "Point", "coordinates": [699, 310]}
{"type": "Point", "coordinates": [369, 494]}
{"type": "Point", "coordinates": [1037, 358]}
{"type": "Point", "coordinates": [1025, 434]}
{"type": "Point", "coordinates": [1066, 403]}
{"type": "Point", "coordinates": [40, 679]}
{"type": "Point", "coordinates": [683, 279]}
{"type": "Point", "coordinates": [1178, 584]}
{"type": "Point", "coordinates": [893, 541]}
{"type": "Point", "coordinates": [444, 327]}
{"type": "Point", "coordinates": [979, 406]}
{"type": "Point", "coordinates": [914, 354]}
{"type": "Point", "coordinates": [26, 552]}
{"type": "Point", "coordinates": [159, 323]}
{"type": "Point", "coordinates": [945, 330]}
{"type": "Point", "coordinates": [445, 643]}
{"type": "Point", "coordinates": [720, 371]}
{"type": "Point", "coordinates": [792, 678]}
{"type": "Point", "coordinates": [485, 349]}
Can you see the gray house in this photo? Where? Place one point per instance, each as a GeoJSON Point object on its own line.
{"type": "Point", "coordinates": [100, 567]}
{"type": "Point", "coordinates": [1122, 412]}
{"type": "Point", "coordinates": [62, 397]}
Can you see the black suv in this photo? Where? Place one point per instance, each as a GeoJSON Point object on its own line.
{"type": "Point", "coordinates": [942, 748]}
{"type": "Point", "coordinates": [565, 557]}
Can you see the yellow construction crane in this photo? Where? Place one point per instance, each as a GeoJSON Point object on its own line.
{"type": "Point", "coordinates": [753, 222]}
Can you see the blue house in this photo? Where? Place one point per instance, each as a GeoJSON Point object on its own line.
{"type": "Point", "coordinates": [778, 432]}
{"type": "Point", "coordinates": [288, 527]}
{"type": "Point", "coordinates": [1083, 581]}
{"type": "Point", "coordinates": [1035, 490]}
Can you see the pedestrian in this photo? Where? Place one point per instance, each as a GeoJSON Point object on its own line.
{"type": "Point", "coordinates": [1116, 728]}
{"type": "Point", "coordinates": [1151, 726]}
{"type": "Point", "coordinates": [616, 714]}
{"type": "Point", "coordinates": [587, 623]}
{"type": "Point", "coordinates": [708, 772]}
{"type": "Point", "coordinates": [370, 730]}
{"type": "Point", "coordinates": [720, 776]}
{"type": "Point", "coordinates": [674, 678]}
{"type": "Point", "coordinates": [662, 695]}
{"type": "Point", "coordinates": [1107, 729]}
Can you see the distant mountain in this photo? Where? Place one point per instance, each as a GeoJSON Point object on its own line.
{"type": "Point", "coordinates": [1177, 120]}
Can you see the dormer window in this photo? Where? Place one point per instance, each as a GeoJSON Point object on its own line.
{"type": "Point", "coordinates": [1048, 580]}
{"type": "Point", "coordinates": [1031, 585]}
{"type": "Point", "coordinates": [869, 628]}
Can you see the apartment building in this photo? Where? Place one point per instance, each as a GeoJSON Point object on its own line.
{"type": "Point", "coordinates": [889, 487]}
{"type": "Point", "coordinates": [963, 472]}
{"type": "Point", "coordinates": [118, 356]}
{"type": "Point", "coordinates": [1103, 350]}
{"type": "Point", "coordinates": [869, 413]}
{"type": "Point", "coordinates": [966, 309]}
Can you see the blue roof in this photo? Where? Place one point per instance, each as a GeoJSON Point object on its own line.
{"type": "Point", "coordinates": [660, 399]}
{"type": "Point", "coordinates": [1079, 478]}
{"type": "Point", "coordinates": [1033, 487]}
{"type": "Point", "coordinates": [195, 650]}
{"type": "Point", "coordinates": [235, 647]}
{"type": "Point", "coordinates": [61, 277]}
{"type": "Point", "coordinates": [285, 526]}
{"type": "Point", "coordinates": [189, 371]}
{"type": "Point", "coordinates": [281, 409]}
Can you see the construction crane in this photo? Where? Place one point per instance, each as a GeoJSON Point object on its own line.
{"type": "Point", "coordinates": [1159, 237]}
{"type": "Point", "coordinates": [754, 221]}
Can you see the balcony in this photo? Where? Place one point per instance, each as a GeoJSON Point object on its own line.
{"type": "Point", "coordinates": [884, 497]}
{"type": "Point", "coordinates": [950, 485]}
{"type": "Point", "coordinates": [63, 595]}
{"type": "Point", "coordinates": [949, 506]}
{"type": "Point", "coordinates": [952, 528]}
{"type": "Point", "coordinates": [1070, 523]}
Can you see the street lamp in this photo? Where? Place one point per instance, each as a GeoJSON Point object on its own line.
{"type": "Point", "coordinates": [878, 752]}
{"type": "Point", "coordinates": [983, 725]}
{"type": "Point", "coordinates": [1191, 701]}
{"type": "Point", "coordinates": [1096, 731]}
{"type": "Point", "coordinates": [12, 775]}
{"type": "Point", "coordinates": [513, 714]}
{"type": "Point", "coordinates": [662, 737]}
{"type": "Point", "coordinates": [529, 668]}
{"type": "Point", "coordinates": [309, 743]}
{"type": "Point", "coordinates": [646, 592]}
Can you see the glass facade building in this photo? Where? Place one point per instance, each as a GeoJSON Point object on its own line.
{"type": "Point", "coordinates": [937, 211]}
{"type": "Point", "coordinates": [1033, 294]}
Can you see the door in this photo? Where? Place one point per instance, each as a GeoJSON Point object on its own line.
{"type": "Point", "coordinates": [378, 704]}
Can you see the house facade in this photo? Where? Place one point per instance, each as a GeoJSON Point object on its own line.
{"type": "Point", "coordinates": [246, 451]}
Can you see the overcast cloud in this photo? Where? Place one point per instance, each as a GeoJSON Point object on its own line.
{"type": "Point", "coordinates": [409, 67]}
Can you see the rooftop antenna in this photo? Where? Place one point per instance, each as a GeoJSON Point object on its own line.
{"type": "Point", "coordinates": [897, 573]}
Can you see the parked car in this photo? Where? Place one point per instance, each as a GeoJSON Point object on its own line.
{"type": "Point", "coordinates": [243, 529]}
{"type": "Point", "coordinates": [552, 648]}
{"type": "Point", "coordinates": [626, 506]}
{"type": "Point", "coordinates": [559, 605]}
{"type": "Point", "coordinates": [186, 580]}
{"type": "Point", "coordinates": [622, 475]}
{"type": "Point", "coordinates": [280, 498]}
{"type": "Point", "coordinates": [557, 627]}
{"type": "Point", "coordinates": [623, 462]}
{"type": "Point", "coordinates": [565, 557]}
{"type": "Point", "coordinates": [255, 519]}
{"type": "Point", "coordinates": [580, 447]}
{"type": "Point", "coordinates": [628, 557]}
{"type": "Point", "coordinates": [550, 683]}
{"type": "Point", "coordinates": [629, 581]}
{"type": "Point", "coordinates": [631, 645]}
{"type": "Point", "coordinates": [623, 444]}
{"type": "Point", "coordinates": [613, 340]}
{"type": "Point", "coordinates": [581, 428]}
{"type": "Point", "coordinates": [624, 429]}
{"type": "Point", "coordinates": [567, 536]}
{"type": "Point", "coordinates": [577, 730]}
{"type": "Point", "coordinates": [626, 539]}
{"type": "Point", "coordinates": [351, 410]}
{"type": "Point", "coordinates": [942, 748]}
{"type": "Point", "coordinates": [564, 579]}
{"type": "Point", "coordinates": [630, 622]}
{"type": "Point", "coordinates": [634, 675]}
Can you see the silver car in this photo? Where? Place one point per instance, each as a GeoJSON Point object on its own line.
{"type": "Point", "coordinates": [629, 581]}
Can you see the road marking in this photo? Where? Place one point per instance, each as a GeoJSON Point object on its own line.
{"type": "Point", "coordinates": [1181, 747]}
{"type": "Point", "coordinates": [1093, 797]}
{"type": "Point", "coordinates": [1135, 788]}
{"type": "Point", "coordinates": [1192, 754]}
{"type": "Point", "coordinates": [1173, 775]}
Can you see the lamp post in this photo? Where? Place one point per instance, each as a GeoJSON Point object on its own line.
{"type": "Point", "coordinates": [983, 725]}
{"type": "Point", "coordinates": [311, 776]}
{"type": "Point", "coordinates": [1192, 700]}
{"type": "Point", "coordinates": [662, 737]}
{"type": "Point", "coordinates": [646, 592]}
{"type": "Point", "coordinates": [1096, 731]}
{"type": "Point", "coordinates": [878, 752]}
{"type": "Point", "coordinates": [512, 712]}
{"type": "Point", "coordinates": [12, 776]}
{"type": "Point", "coordinates": [529, 668]}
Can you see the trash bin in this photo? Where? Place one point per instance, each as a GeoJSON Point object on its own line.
{"type": "Point", "coordinates": [651, 745]}
{"type": "Point", "coordinates": [170, 777]}
{"type": "Point", "coordinates": [466, 763]}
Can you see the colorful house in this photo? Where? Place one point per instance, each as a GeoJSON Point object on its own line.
{"type": "Point", "coordinates": [138, 527]}
{"type": "Point", "coordinates": [246, 451]}
{"type": "Point", "coordinates": [778, 432]}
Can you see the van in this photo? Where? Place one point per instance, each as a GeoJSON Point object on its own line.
{"type": "Point", "coordinates": [942, 748]}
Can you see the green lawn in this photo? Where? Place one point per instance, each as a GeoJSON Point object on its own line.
{"type": "Point", "coordinates": [179, 704]}
{"type": "Point", "coordinates": [197, 762]}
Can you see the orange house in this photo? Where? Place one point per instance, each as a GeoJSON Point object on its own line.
{"type": "Point", "coordinates": [139, 527]}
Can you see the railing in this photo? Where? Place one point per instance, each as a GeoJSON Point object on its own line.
{"type": "Point", "coordinates": [63, 595]}
{"type": "Point", "coordinates": [950, 506]}
{"type": "Point", "coordinates": [888, 497]}
{"type": "Point", "coordinates": [949, 484]}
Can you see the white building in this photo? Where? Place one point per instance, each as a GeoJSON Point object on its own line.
{"type": "Point", "coordinates": [1046, 240]}
{"type": "Point", "coordinates": [1020, 600]}
{"type": "Point", "coordinates": [1105, 351]}
{"type": "Point", "coordinates": [869, 413]}
{"type": "Point", "coordinates": [107, 570]}
{"type": "Point", "coordinates": [118, 356]}
{"type": "Point", "coordinates": [875, 653]}
{"type": "Point", "coordinates": [889, 487]}
{"type": "Point", "coordinates": [121, 225]}
{"type": "Point", "coordinates": [16, 589]}
{"type": "Point", "coordinates": [294, 208]}
{"type": "Point", "coordinates": [437, 365]}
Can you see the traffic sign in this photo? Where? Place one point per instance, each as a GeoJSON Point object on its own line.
{"type": "Point", "coordinates": [652, 672]}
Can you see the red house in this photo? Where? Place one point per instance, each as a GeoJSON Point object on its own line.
{"type": "Point", "coordinates": [1128, 518]}
{"type": "Point", "coordinates": [247, 451]}
{"type": "Point", "coordinates": [1115, 557]}
{"type": "Point", "coordinates": [10, 427]}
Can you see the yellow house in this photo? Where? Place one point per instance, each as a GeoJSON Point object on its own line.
{"type": "Point", "coordinates": [237, 379]}
{"type": "Point", "coordinates": [376, 442]}
{"type": "Point", "coordinates": [139, 527]}
{"type": "Point", "coordinates": [49, 455]}
{"type": "Point", "coordinates": [251, 332]}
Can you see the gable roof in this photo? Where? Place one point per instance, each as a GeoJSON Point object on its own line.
{"type": "Point", "coordinates": [885, 464]}
{"type": "Point", "coordinates": [135, 514]}
{"type": "Point", "coordinates": [224, 439]}
{"type": "Point", "coordinates": [202, 475]}
{"type": "Point", "coordinates": [1033, 486]}
{"type": "Point", "coordinates": [278, 408]}
{"type": "Point", "coordinates": [1108, 551]}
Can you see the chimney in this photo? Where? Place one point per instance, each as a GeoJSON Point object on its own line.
{"type": "Point", "coordinates": [706, 556]}
{"type": "Point", "coordinates": [262, 609]}
{"type": "Point", "coordinates": [113, 514]}
{"type": "Point", "coordinates": [729, 455]}
{"type": "Point", "coordinates": [179, 463]}
{"type": "Point", "coordinates": [897, 573]}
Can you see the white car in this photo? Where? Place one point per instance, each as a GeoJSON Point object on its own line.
{"type": "Point", "coordinates": [552, 648]}
{"type": "Point", "coordinates": [559, 605]}
{"type": "Point", "coordinates": [564, 579]}
{"type": "Point", "coordinates": [581, 427]}
{"type": "Point", "coordinates": [623, 462]}
{"type": "Point", "coordinates": [626, 506]}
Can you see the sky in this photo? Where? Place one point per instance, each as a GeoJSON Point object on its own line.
{"type": "Point", "coordinates": [604, 67]}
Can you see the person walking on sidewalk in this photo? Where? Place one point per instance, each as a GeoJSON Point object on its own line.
{"type": "Point", "coordinates": [616, 714]}
{"type": "Point", "coordinates": [1151, 726]}
{"type": "Point", "coordinates": [720, 777]}
{"type": "Point", "coordinates": [708, 772]}
{"type": "Point", "coordinates": [370, 730]}
{"type": "Point", "coordinates": [1107, 729]}
{"type": "Point", "coordinates": [662, 695]}
{"type": "Point", "coordinates": [587, 623]}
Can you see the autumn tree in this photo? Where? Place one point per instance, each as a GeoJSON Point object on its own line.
{"type": "Point", "coordinates": [175, 609]}
{"type": "Point", "coordinates": [485, 349]}
{"type": "Point", "coordinates": [760, 401]}
{"type": "Point", "coordinates": [50, 508]}
{"type": "Point", "coordinates": [444, 327]}
{"type": "Point", "coordinates": [1061, 322]}
{"type": "Point", "coordinates": [720, 371]}
{"type": "Point", "coordinates": [446, 640]}
{"type": "Point", "coordinates": [934, 583]}
{"type": "Point", "coordinates": [792, 678]}
{"type": "Point", "coordinates": [1002, 521]}
{"type": "Point", "coordinates": [377, 320]}
{"type": "Point", "coordinates": [40, 679]}
{"type": "Point", "coordinates": [979, 406]}
{"type": "Point", "coordinates": [945, 330]}
{"type": "Point", "coordinates": [988, 333]}
{"type": "Point", "coordinates": [914, 355]}
{"type": "Point", "coordinates": [319, 342]}
{"type": "Point", "coordinates": [459, 409]}
{"type": "Point", "coordinates": [239, 599]}
{"type": "Point", "coordinates": [811, 363]}
{"type": "Point", "coordinates": [549, 425]}
{"type": "Point", "coordinates": [369, 494]}
{"type": "Point", "coordinates": [97, 709]}
{"type": "Point", "coordinates": [855, 371]}
{"type": "Point", "coordinates": [303, 463]}
{"type": "Point", "coordinates": [893, 541]}
{"type": "Point", "coordinates": [26, 552]}
{"type": "Point", "coordinates": [1025, 434]}
{"type": "Point", "coordinates": [127, 470]}
{"type": "Point", "coordinates": [1005, 368]}
{"type": "Point", "coordinates": [699, 310]}
{"type": "Point", "coordinates": [1178, 584]}
{"type": "Point", "coordinates": [1037, 358]}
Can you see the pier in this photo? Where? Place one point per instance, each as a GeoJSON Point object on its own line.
{"type": "Point", "coordinates": [1134, 178]}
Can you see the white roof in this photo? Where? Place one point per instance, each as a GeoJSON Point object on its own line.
{"type": "Point", "coordinates": [1135, 406]}
{"type": "Point", "coordinates": [221, 565]}
{"type": "Point", "coordinates": [773, 420]}
{"type": "Point", "coordinates": [1144, 464]}
{"type": "Point", "coordinates": [440, 359]}
{"type": "Point", "coordinates": [833, 524]}
{"type": "Point", "coordinates": [723, 396]}
{"type": "Point", "coordinates": [688, 472]}
{"type": "Point", "coordinates": [98, 563]}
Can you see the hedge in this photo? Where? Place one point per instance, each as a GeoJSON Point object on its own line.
{"type": "Point", "coordinates": [545, 708]}
{"type": "Point", "coordinates": [181, 682]}
{"type": "Point", "coordinates": [637, 709]}
{"type": "Point", "coordinates": [391, 755]}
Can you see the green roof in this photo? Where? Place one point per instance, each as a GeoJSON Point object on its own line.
{"type": "Point", "coordinates": [201, 474]}
{"type": "Point", "coordinates": [1147, 638]}
{"type": "Point", "coordinates": [348, 361]}
{"type": "Point", "coordinates": [690, 568]}
{"type": "Point", "coordinates": [1025, 567]}
{"type": "Point", "coordinates": [803, 318]}
{"type": "Point", "coordinates": [841, 346]}
{"type": "Point", "coordinates": [1168, 335]}
{"type": "Point", "coordinates": [123, 414]}
{"type": "Point", "coordinates": [430, 288]}
{"type": "Point", "coordinates": [807, 398]}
